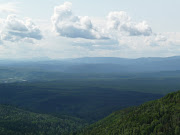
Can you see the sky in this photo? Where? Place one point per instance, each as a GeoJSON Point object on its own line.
{"type": "Point", "coordinates": [58, 29]}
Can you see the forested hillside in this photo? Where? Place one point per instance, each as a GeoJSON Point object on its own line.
{"type": "Point", "coordinates": [15, 121]}
{"type": "Point", "coordinates": [159, 117]}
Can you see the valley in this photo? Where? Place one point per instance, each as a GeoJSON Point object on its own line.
{"type": "Point", "coordinates": [71, 101]}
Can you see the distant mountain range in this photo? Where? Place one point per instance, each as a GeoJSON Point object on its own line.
{"type": "Point", "coordinates": [100, 65]}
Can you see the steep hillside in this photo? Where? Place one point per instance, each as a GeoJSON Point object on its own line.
{"type": "Point", "coordinates": [159, 117]}
{"type": "Point", "coordinates": [15, 121]}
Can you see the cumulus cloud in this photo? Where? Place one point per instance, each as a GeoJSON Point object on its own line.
{"type": "Point", "coordinates": [67, 24]}
{"type": "Point", "coordinates": [15, 29]}
{"type": "Point", "coordinates": [122, 22]}
{"type": "Point", "coordinates": [118, 24]}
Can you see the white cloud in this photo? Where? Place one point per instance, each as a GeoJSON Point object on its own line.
{"type": "Point", "coordinates": [59, 47]}
{"type": "Point", "coordinates": [110, 30]}
{"type": "Point", "coordinates": [87, 37]}
{"type": "Point", "coordinates": [15, 29]}
{"type": "Point", "coordinates": [121, 22]}
{"type": "Point", "coordinates": [9, 7]}
{"type": "Point", "coordinates": [67, 24]}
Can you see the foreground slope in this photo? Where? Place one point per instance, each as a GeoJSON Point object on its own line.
{"type": "Point", "coordinates": [15, 121]}
{"type": "Point", "coordinates": [159, 117]}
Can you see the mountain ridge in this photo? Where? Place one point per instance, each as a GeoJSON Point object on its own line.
{"type": "Point", "coordinates": [99, 65]}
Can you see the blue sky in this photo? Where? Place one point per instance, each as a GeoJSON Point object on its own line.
{"type": "Point", "coordinates": [78, 28]}
{"type": "Point", "coordinates": [162, 14]}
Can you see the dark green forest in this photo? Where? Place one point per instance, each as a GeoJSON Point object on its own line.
{"type": "Point", "coordinates": [83, 97]}
{"type": "Point", "coordinates": [14, 121]}
{"type": "Point", "coordinates": [87, 103]}
{"type": "Point", "coordinates": [58, 97]}
{"type": "Point", "coordinates": [159, 117]}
